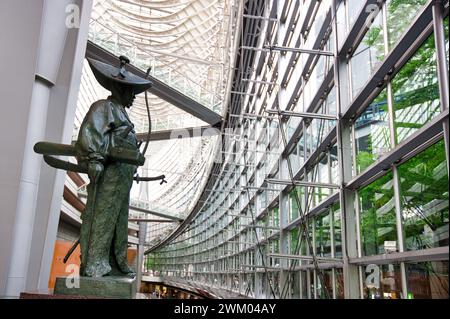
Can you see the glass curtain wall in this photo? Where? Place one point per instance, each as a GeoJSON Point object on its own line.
{"type": "Point", "coordinates": [385, 156]}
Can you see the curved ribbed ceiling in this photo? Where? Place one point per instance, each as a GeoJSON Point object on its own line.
{"type": "Point", "coordinates": [185, 43]}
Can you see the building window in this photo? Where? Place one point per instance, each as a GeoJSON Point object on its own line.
{"type": "Point", "coordinates": [427, 280]}
{"type": "Point", "coordinates": [295, 159]}
{"type": "Point", "coordinates": [334, 166]}
{"type": "Point", "coordinates": [294, 237]}
{"type": "Point", "coordinates": [293, 204]}
{"type": "Point", "coordinates": [327, 282]}
{"type": "Point", "coordinates": [339, 275]}
{"type": "Point", "coordinates": [377, 217]}
{"type": "Point", "coordinates": [354, 7]}
{"type": "Point", "coordinates": [416, 91]}
{"type": "Point", "coordinates": [323, 234]}
{"type": "Point", "coordinates": [337, 232]}
{"type": "Point", "coordinates": [425, 199]}
{"type": "Point", "coordinates": [320, 173]}
{"type": "Point", "coordinates": [400, 14]}
{"type": "Point", "coordinates": [368, 56]}
{"type": "Point", "coordinates": [275, 217]}
{"type": "Point", "coordinates": [341, 22]}
{"type": "Point", "coordinates": [372, 133]}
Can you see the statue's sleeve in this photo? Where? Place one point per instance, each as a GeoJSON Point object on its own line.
{"type": "Point", "coordinates": [94, 136]}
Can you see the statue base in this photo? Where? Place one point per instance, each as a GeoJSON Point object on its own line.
{"type": "Point", "coordinates": [101, 287]}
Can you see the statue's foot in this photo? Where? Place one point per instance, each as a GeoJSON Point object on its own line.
{"type": "Point", "coordinates": [97, 269]}
{"type": "Point", "coordinates": [127, 270]}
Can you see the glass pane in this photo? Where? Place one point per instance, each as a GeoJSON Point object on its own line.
{"type": "Point", "coordinates": [427, 280]}
{"type": "Point", "coordinates": [424, 199]}
{"type": "Point", "coordinates": [320, 174]}
{"type": "Point", "coordinates": [294, 241]}
{"type": "Point", "coordinates": [446, 31]}
{"type": "Point", "coordinates": [400, 15]}
{"type": "Point", "coordinates": [377, 217]}
{"type": "Point", "coordinates": [334, 166]}
{"type": "Point", "coordinates": [416, 91]}
{"type": "Point", "coordinates": [276, 217]}
{"type": "Point", "coordinates": [327, 282]}
{"type": "Point", "coordinates": [295, 285]}
{"type": "Point", "coordinates": [382, 282]}
{"type": "Point", "coordinates": [354, 7]}
{"type": "Point", "coordinates": [304, 284]}
{"type": "Point", "coordinates": [337, 229]}
{"type": "Point", "coordinates": [339, 283]}
{"type": "Point", "coordinates": [294, 212]}
{"type": "Point", "coordinates": [368, 55]}
{"type": "Point", "coordinates": [322, 232]}
{"type": "Point", "coordinates": [341, 22]}
{"type": "Point", "coordinates": [372, 133]}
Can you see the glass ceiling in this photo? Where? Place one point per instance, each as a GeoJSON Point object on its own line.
{"type": "Point", "coordinates": [186, 44]}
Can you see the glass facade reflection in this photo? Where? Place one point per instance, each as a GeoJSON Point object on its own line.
{"type": "Point", "coordinates": [416, 91]}
{"type": "Point", "coordinates": [377, 221]}
{"type": "Point", "coordinates": [372, 135]}
{"type": "Point", "coordinates": [427, 280]}
{"type": "Point", "coordinates": [424, 196]}
{"type": "Point", "coordinates": [361, 177]}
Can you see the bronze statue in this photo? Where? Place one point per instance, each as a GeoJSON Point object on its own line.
{"type": "Point", "coordinates": [108, 151]}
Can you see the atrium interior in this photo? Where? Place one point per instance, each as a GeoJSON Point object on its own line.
{"type": "Point", "coordinates": [304, 145]}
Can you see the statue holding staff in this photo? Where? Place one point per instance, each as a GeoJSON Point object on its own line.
{"type": "Point", "coordinates": [108, 151]}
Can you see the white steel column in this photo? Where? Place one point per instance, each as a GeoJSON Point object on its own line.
{"type": "Point", "coordinates": [439, 37]}
{"type": "Point", "coordinates": [52, 37]}
{"type": "Point", "coordinates": [346, 196]}
{"type": "Point", "coordinates": [28, 188]}
{"type": "Point", "coordinates": [20, 23]}
{"type": "Point", "coordinates": [28, 230]}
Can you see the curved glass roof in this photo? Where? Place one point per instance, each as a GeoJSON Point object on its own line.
{"type": "Point", "coordinates": [185, 44]}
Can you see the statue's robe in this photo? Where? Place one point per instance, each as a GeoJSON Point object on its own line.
{"type": "Point", "coordinates": [104, 231]}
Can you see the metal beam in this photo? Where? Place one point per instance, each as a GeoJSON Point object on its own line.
{"type": "Point", "coordinates": [263, 227]}
{"type": "Point", "coordinates": [298, 50]}
{"type": "Point", "coordinates": [243, 188]}
{"type": "Point", "coordinates": [270, 48]}
{"type": "Point", "coordinates": [308, 15]}
{"type": "Point", "coordinates": [357, 31]}
{"type": "Point", "coordinates": [300, 183]}
{"type": "Point", "coordinates": [242, 93]}
{"type": "Point", "coordinates": [248, 16]}
{"type": "Point", "coordinates": [146, 211]}
{"type": "Point", "coordinates": [180, 133]}
{"type": "Point", "coordinates": [142, 210]}
{"type": "Point", "coordinates": [304, 115]}
{"type": "Point", "coordinates": [151, 220]}
{"type": "Point", "coordinates": [432, 254]}
{"type": "Point", "coordinates": [259, 82]}
{"type": "Point", "coordinates": [159, 88]}
{"type": "Point", "coordinates": [303, 257]}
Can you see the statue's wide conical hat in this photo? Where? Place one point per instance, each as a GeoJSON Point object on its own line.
{"type": "Point", "coordinates": [107, 74]}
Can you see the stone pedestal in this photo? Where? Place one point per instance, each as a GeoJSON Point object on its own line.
{"type": "Point", "coordinates": [103, 287]}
